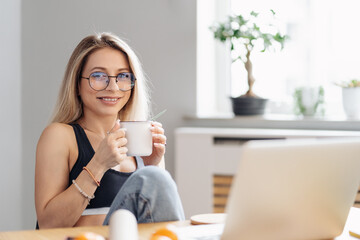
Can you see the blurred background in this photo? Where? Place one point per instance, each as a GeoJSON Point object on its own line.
{"type": "Point", "coordinates": [187, 68]}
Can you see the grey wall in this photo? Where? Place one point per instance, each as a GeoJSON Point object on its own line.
{"type": "Point", "coordinates": [162, 32]}
{"type": "Point", "coordinates": [10, 120]}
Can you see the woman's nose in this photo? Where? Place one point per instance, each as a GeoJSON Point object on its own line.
{"type": "Point", "coordinates": [112, 84]}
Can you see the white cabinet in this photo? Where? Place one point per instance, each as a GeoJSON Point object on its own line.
{"type": "Point", "coordinates": [204, 154]}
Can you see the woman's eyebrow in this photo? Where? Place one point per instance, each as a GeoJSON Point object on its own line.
{"type": "Point", "coordinates": [104, 69]}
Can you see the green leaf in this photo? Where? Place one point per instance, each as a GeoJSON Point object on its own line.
{"type": "Point", "coordinates": [243, 33]}
{"type": "Point", "coordinates": [255, 14]}
{"type": "Point", "coordinates": [241, 20]}
{"type": "Point", "coordinates": [237, 33]}
{"type": "Point", "coordinates": [238, 58]}
{"type": "Point", "coordinates": [280, 39]}
{"type": "Point", "coordinates": [256, 27]}
{"type": "Point", "coordinates": [267, 41]}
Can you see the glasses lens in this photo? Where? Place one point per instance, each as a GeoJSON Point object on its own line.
{"type": "Point", "coordinates": [99, 80]}
{"type": "Point", "coordinates": [125, 81]}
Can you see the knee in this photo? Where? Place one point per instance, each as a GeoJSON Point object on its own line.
{"type": "Point", "coordinates": [155, 176]}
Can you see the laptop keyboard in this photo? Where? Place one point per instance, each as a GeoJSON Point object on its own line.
{"type": "Point", "coordinates": [200, 232]}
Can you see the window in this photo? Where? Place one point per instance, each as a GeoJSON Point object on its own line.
{"type": "Point", "coordinates": [323, 50]}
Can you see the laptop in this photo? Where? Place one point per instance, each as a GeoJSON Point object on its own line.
{"type": "Point", "coordinates": [289, 189]}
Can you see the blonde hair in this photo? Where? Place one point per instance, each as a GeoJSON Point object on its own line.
{"type": "Point", "coordinates": [69, 105]}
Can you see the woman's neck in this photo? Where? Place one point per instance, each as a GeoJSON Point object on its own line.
{"type": "Point", "coordinates": [98, 126]}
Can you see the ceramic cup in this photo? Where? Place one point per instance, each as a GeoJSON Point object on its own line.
{"type": "Point", "coordinates": [139, 137]}
{"type": "Point", "coordinates": [351, 102]}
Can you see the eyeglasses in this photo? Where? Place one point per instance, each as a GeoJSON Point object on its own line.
{"type": "Point", "coordinates": [100, 81]}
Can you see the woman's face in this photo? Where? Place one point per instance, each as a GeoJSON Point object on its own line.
{"type": "Point", "coordinates": [111, 100]}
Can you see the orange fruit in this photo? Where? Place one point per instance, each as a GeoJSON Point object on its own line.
{"type": "Point", "coordinates": [89, 236]}
{"type": "Point", "coordinates": [164, 234]}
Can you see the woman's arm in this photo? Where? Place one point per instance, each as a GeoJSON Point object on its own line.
{"type": "Point", "coordinates": [58, 205]}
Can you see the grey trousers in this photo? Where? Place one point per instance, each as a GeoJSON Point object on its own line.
{"type": "Point", "coordinates": [151, 195]}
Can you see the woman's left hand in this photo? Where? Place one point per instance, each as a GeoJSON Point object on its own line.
{"type": "Point", "coordinates": [159, 143]}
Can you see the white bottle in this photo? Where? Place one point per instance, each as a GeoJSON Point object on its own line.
{"type": "Point", "coordinates": [123, 226]}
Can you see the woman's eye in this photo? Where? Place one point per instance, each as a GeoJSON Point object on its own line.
{"type": "Point", "coordinates": [99, 75]}
{"type": "Point", "coordinates": [122, 75]}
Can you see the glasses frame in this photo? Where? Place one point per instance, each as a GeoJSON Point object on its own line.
{"type": "Point", "coordinates": [133, 79]}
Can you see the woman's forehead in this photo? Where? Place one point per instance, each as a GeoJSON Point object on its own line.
{"type": "Point", "coordinates": [107, 58]}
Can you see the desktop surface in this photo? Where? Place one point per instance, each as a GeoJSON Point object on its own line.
{"type": "Point", "coordinates": [145, 230]}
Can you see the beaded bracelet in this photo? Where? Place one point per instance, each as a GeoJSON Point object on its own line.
{"type": "Point", "coordinates": [83, 193]}
{"type": "Point", "coordinates": [92, 176]}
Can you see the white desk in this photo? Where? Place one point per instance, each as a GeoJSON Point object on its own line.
{"type": "Point", "coordinates": [352, 223]}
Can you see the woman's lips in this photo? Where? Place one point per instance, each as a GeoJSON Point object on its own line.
{"type": "Point", "coordinates": [109, 100]}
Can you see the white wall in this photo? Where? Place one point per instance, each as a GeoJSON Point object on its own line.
{"type": "Point", "coordinates": [10, 121]}
{"type": "Point", "coordinates": [36, 40]}
{"type": "Point", "coordinates": [162, 32]}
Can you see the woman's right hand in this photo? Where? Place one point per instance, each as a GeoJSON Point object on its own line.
{"type": "Point", "coordinates": [112, 150]}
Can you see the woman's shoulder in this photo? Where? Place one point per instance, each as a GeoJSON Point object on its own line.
{"type": "Point", "coordinates": [56, 146]}
{"type": "Point", "coordinates": [59, 131]}
{"type": "Point", "coordinates": [59, 128]}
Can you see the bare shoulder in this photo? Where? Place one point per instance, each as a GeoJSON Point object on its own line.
{"type": "Point", "coordinates": [57, 131]}
{"type": "Point", "coordinates": [58, 127]}
{"type": "Point", "coordinates": [57, 137]}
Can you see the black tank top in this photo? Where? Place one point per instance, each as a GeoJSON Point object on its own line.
{"type": "Point", "coordinates": [112, 180]}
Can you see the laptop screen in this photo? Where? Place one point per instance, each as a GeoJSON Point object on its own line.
{"type": "Point", "coordinates": [293, 189]}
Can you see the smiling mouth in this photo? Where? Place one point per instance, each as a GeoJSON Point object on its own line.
{"type": "Point", "coordinates": [107, 99]}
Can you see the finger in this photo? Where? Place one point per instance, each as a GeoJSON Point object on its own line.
{"type": "Point", "coordinates": [122, 157]}
{"type": "Point", "coordinates": [123, 150]}
{"type": "Point", "coordinates": [158, 130]}
{"type": "Point", "coordinates": [159, 138]}
{"type": "Point", "coordinates": [120, 133]}
{"type": "Point", "coordinates": [157, 124]}
{"type": "Point", "coordinates": [115, 127]}
{"type": "Point", "coordinates": [120, 142]}
{"type": "Point", "coordinates": [161, 147]}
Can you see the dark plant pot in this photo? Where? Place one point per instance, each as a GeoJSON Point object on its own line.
{"type": "Point", "coordinates": [245, 105]}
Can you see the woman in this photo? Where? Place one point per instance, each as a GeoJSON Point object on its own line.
{"type": "Point", "coordinates": [82, 171]}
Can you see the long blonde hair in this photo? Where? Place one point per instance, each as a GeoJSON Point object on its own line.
{"type": "Point", "coordinates": [69, 105]}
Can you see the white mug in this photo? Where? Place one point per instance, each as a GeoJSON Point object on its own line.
{"type": "Point", "coordinates": [139, 137]}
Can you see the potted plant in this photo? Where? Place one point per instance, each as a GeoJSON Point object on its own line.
{"type": "Point", "coordinates": [245, 35]}
{"type": "Point", "coordinates": [309, 101]}
{"type": "Point", "coordinates": [351, 98]}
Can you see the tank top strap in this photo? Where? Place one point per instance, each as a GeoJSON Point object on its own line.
{"type": "Point", "coordinates": [85, 150]}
